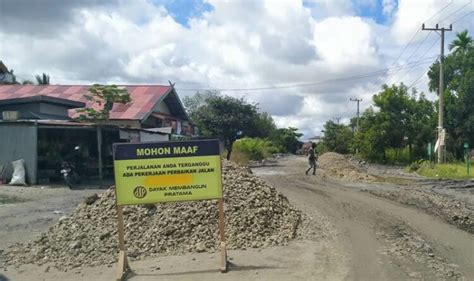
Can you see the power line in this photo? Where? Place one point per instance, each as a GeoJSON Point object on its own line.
{"type": "Point", "coordinates": [372, 89]}
{"type": "Point", "coordinates": [429, 49]}
{"type": "Point", "coordinates": [418, 30]}
{"type": "Point", "coordinates": [406, 46]}
{"type": "Point", "coordinates": [376, 73]}
{"type": "Point", "coordinates": [419, 46]}
{"type": "Point", "coordinates": [297, 85]}
{"type": "Point", "coordinates": [455, 12]}
{"type": "Point", "coordinates": [462, 17]}
{"type": "Point", "coordinates": [308, 84]}
{"type": "Point", "coordinates": [416, 81]}
{"type": "Point", "coordinates": [442, 9]}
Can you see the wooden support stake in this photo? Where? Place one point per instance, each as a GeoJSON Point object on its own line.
{"type": "Point", "coordinates": [99, 154]}
{"type": "Point", "coordinates": [123, 266]}
{"type": "Point", "coordinates": [222, 236]}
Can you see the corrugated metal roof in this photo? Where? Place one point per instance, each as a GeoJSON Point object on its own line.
{"type": "Point", "coordinates": [144, 97]}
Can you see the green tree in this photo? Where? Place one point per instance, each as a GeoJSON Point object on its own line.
{"type": "Point", "coordinates": [462, 43]}
{"type": "Point", "coordinates": [287, 138]}
{"type": "Point", "coordinates": [421, 122]}
{"type": "Point", "coordinates": [371, 138]}
{"type": "Point", "coordinates": [27, 82]}
{"type": "Point", "coordinates": [401, 119]}
{"type": "Point", "coordinates": [193, 103]}
{"type": "Point", "coordinates": [226, 118]}
{"type": "Point", "coordinates": [264, 126]}
{"type": "Point", "coordinates": [42, 79]}
{"type": "Point", "coordinates": [102, 97]}
{"type": "Point", "coordinates": [337, 137]}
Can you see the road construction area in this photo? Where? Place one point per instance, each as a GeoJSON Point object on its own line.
{"type": "Point", "coordinates": [352, 221]}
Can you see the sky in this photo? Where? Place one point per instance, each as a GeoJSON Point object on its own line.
{"type": "Point", "coordinates": [300, 60]}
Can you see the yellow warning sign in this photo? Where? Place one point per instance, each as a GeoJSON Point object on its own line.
{"type": "Point", "coordinates": [167, 171]}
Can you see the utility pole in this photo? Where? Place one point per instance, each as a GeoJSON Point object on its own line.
{"type": "Point", "coordinates": [358, 101]}
{"type": "Point", "coordinates": [337, 119]}
{"type": "Point", "coordinates": [357, 127]}
{"type": "Point", "coordinates": [441, 131]}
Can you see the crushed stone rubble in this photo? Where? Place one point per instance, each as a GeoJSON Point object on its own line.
{"type": "Point", "coordinates": [416, 194]}
{"type": "Point", "coordinates": [256, 216]}
{"type": "Point", "coordinates": [343, 167]}
{"type": "Point", "coordinates": [453, 211]}
{"type": "Point", "coordinates": [406, 245]}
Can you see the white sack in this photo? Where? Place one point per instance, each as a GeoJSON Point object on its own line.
{"type": "Point", "coordinates": [18, 177]}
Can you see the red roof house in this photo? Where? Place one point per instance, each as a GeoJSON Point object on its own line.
{"type": "Point", "coordinates": [152, 106]}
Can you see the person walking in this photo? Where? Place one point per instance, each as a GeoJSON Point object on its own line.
{"type": "Point", "coordinates": [312, 157]}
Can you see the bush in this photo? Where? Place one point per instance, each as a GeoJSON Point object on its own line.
{"type": "Point", "coordinates": [253, 149]}
{"type": "Point", "coordinates": [416, 165]}
{"type": "Point", "coordinates": [400, 156]}
{"type": "Point", "coordinates": [321, 148]}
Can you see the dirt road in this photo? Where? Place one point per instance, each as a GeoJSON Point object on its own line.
{"type": "Point", "coordinates": [34, 209]}
{"type": "Point", "coordinates": [372, 230]}
{"type": "Point", "coordinates": [358, 237]}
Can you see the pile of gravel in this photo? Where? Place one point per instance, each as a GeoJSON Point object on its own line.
{"type": "Point", "coordinates": [256, 216]}
{"type": "Point", "coordinates": [338, 166]}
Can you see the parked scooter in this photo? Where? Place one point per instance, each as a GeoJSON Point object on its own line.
{"type": "Point", "coordinates": [69, 169]}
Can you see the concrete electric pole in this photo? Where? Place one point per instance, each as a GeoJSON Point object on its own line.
{"type": "Point", "coordinates": [358, 101]}
{"type": "Point", "coordinates": [441, 131]}
{"type": "Point", "coordinates": [358, 112]}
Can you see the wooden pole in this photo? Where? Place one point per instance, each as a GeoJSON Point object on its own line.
{"type": "Point", "coordinates": [99, 153]}
{"type": "Point", "coordinates": [222, 236]}
{"type": "Point", "coordinates": [123, 266]}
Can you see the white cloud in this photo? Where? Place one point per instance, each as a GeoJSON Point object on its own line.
{"type": "Point", "coordinates": [345, 41]}
{"type": "Point", "coordinates": [412, 14]}
{"type": "Point", "coordinates": [235, 45]}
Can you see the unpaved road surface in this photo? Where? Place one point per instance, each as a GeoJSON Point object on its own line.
{"type": "Point", "coordinates": [383, 240]}
{"type": "Point", "coordinates": [37, 209]}
{"type": "Point", "coordinates": [358, 236]}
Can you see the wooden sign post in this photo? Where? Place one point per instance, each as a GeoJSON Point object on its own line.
{"type": "Point", "coordinates": [222, 236]}
{"type": "Point", "coordinates": [147, 173]}
{"type": "Point", "coordinates": [123, 266]}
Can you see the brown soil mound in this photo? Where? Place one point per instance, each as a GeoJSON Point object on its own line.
{"type": "Point", "coordinates": [342, 167]}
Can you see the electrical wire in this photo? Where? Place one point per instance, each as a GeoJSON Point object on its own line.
{"type": "Point", "coordinates": [417, 80]}
{"type": "Point", "coordinates": [417, 31]}
{"type": "Point", "coordinates": [460, 18]}
{"type": "Point", "coordinates": [429, 49]}
{"type": "Point", "coordinates": [414, 36]}
{"type": "Point", "coordinates": [455, 12]}
{"type": "Point", "coordinates": [419, 45]}
{"type": "Point", "coordinates": [442, 9]}
{"type": "Point", "coordinates": [308, 84]}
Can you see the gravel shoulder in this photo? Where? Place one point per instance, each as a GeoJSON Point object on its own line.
{"type": "Point", "coordinates": [39, 208]}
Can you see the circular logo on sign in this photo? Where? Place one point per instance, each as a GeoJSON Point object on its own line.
{"type": "Point", "coordinates": [139, 192]}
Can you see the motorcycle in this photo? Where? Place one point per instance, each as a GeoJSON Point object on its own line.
{"type": "Point", "coordinates": [69, 170]}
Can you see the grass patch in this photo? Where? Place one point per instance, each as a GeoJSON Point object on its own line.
{"type": "Point", "coordinates": [446, 171]}
{"type": "Point", "coordinates": [7, 199]}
